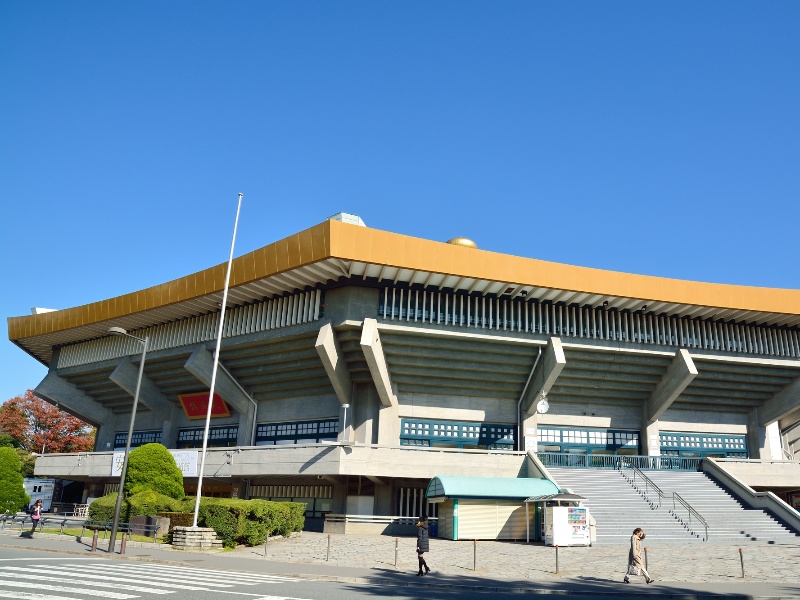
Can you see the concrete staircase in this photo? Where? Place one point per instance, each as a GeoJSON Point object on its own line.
{"type": "Point", "coordinates": [618, 508]}
{"type": "Point", "coordinates": [728, 519]}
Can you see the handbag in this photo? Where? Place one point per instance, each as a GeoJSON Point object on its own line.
{"type": "Point", "coordinates": [633, 570]}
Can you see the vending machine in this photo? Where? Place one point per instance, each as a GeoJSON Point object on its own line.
{"type": "Point", "coordinates": [566, 526]}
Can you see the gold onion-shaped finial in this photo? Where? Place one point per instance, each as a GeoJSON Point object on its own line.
{"type": "Point", "coordinates": [462, 241]}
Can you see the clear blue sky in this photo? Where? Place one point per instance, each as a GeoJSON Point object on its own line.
{"type": "Point", "coordinates": [649, 137]}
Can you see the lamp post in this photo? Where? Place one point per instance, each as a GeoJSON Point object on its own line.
{"type": "Point", "coordinates": [115, 522]}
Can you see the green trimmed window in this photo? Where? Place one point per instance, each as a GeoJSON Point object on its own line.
{"type": "Point", "coordinates": [701, 445]}
{"type": "Point", "coordinates": [571, 440]}
{"type": "Point", "coordinates": [139, 438]}
{"type": "Point", "coordinates": [456, 434]}
{"type": "Point", "coordinates": [218, 437]}
{"type": "Point", "coordinates": [297, 432]}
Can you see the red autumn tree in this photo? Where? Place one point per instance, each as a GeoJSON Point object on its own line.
{"type": "Point", "coordinates": [38, 425]}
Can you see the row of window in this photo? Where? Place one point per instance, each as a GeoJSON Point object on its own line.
{"type": "Point", "coordinates": [456, 434]}
{"type": "Point", "coordinates": [462, 434]}
{"type": "Point", "coordinates": [268, 434]}
{"type": "Point", "coordinates": [299, 432]}
{"type": "Point", "coordinates": [607, 441]}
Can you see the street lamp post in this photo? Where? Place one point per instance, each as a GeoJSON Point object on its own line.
{"type": "Point", "coordinates": [115, 522]}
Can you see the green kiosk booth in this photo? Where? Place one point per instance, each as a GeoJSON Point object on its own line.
{"type": "Point", "coordinates": [487, 508]}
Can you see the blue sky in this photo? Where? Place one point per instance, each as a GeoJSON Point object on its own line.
{"type": "Point", "coordinates": [648, 137]}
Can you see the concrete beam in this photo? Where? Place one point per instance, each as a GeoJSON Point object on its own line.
{"type": "Point", "coordinates": [330, 354]}
{"type": "Point", "coordinates": [376, 480]}
{"type": "Point", "coordinates": [781, 404]}
{"type": "Point", "coordinates": [678, 376]}
{"type": "Point", "coordinates": [201, 365]}
{"type": "Point", "coordinates": [790, 420]}
{"type": "Point", "coordinates": [376, 360]}
{"type": "Point", "coordinates": [552, 363]}
{"type": "Point", "coordinates": [60, 392]}
{"type": "Point", "coordinates": [126, 376]}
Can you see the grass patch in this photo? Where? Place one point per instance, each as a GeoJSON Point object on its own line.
{"type": "Point", "coordinates": [76, 532]}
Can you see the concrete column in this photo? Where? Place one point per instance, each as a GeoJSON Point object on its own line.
{"type": "Point", "coordinates": [650, 438]}
{"type": "Point", "coordinates": [169, 430]}
{"type": "Point", "coordinates": [365, 414]}
{"type": "Point", "coordinates": [383, 500]}
{"type": "Point", "coordinates": [104, 437]}
{"type": "Point", "coordinates": [757, 440]}
{"type": "Point", "coordinates": [530, 429]}
{"type": "Point", "coordinates": [389, 426]}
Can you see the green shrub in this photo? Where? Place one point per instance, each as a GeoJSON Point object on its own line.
{"type": "Point", "coordinates": [152, 467]}
{"type": "Point", "coordinates": [178, 519]}
{"type": "Point", "coordinates": [147, 502]}
{"type": "Point", "coordinates": [12, 492]}
{"type": "Point", "coordinates": [247, 521]}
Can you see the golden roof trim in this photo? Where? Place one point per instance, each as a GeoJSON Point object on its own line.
{"type": "Point", "coordinates": [334, 239]}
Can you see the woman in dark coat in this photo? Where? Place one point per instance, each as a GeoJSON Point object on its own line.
{"type": "Point", "coordinates": [423, 544]}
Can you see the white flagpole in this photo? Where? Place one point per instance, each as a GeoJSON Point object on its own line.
{"type": "Point", "coordinates": [214, 369]}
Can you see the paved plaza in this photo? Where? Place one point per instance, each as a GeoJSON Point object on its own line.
{"type": "Point", "coordinates": [693, 562]}
{"type": "Point", "coordinates": [692, 572]}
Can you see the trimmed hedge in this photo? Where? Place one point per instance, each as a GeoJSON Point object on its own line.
{"type": "Point", "coordinates": [235, 521]}
{"type": "Point", "coordinates": [178, 519]}
{"type": "Point", "coordinates": [247, 521]}
{"type": "Point", "coordinates": [143, 503]}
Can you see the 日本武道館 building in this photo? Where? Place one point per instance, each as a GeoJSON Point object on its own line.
{"type": "Point", "coordinates": [358, 366]}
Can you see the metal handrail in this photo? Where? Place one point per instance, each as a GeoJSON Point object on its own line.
{"type": "Point", "coordinates": [648, 483]}
{"type": "Point", "coordinates": [611, 461]}
{"type": "Point", "coordinates": [344, 518]}
{"type": "Point", "coordinates": [687, 506]}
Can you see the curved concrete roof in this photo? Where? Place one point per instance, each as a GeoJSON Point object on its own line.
{"type": "Point", "coordinates": [333, 250]}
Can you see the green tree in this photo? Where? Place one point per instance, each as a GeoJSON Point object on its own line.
{"type": "Point", "coordinates": [152, 467]}
{"type": "Point", "coordinates": [6, 441]}
{"type": "Point", "coordinates": [27, 460]}
{"type": "Point", "coordinates": [12, 493]}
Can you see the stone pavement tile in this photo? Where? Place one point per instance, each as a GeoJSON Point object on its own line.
{"type": "Point", "coordinates": [669, 562]}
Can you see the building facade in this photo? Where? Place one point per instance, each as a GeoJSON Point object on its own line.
{"type": "Point", "coordinates": [357, 364]}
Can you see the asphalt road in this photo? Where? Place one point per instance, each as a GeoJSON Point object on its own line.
{"type": "Point", "coordinates": [37, 575]}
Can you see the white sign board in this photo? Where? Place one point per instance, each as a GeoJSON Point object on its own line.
{"type": "Point", "coordinates": [185, 459]}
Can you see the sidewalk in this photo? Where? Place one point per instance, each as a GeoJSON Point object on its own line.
{"type": "Point", "coordinates": [689, 572]}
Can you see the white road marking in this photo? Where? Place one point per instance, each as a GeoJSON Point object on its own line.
{"type": "Point", "coordinates": [32, 596]}
{"type": "Point", "coordinates": [36, 575]}
{"type": "Point", "coordinates": [138, 577]}
{"type": "Point", "coordinates": [32, 558]}
{"type": "Point", "coordinates": [82, 575]}
{"type": "Point", "coordinates": [58, 588]}
{"type": "Point", "coordinates": [150, 578]}
{"type": "Point", "coordinates": [193, 572]}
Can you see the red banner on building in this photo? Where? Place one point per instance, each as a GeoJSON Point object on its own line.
{"type": "Point", "coordinates": [196, 406]}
